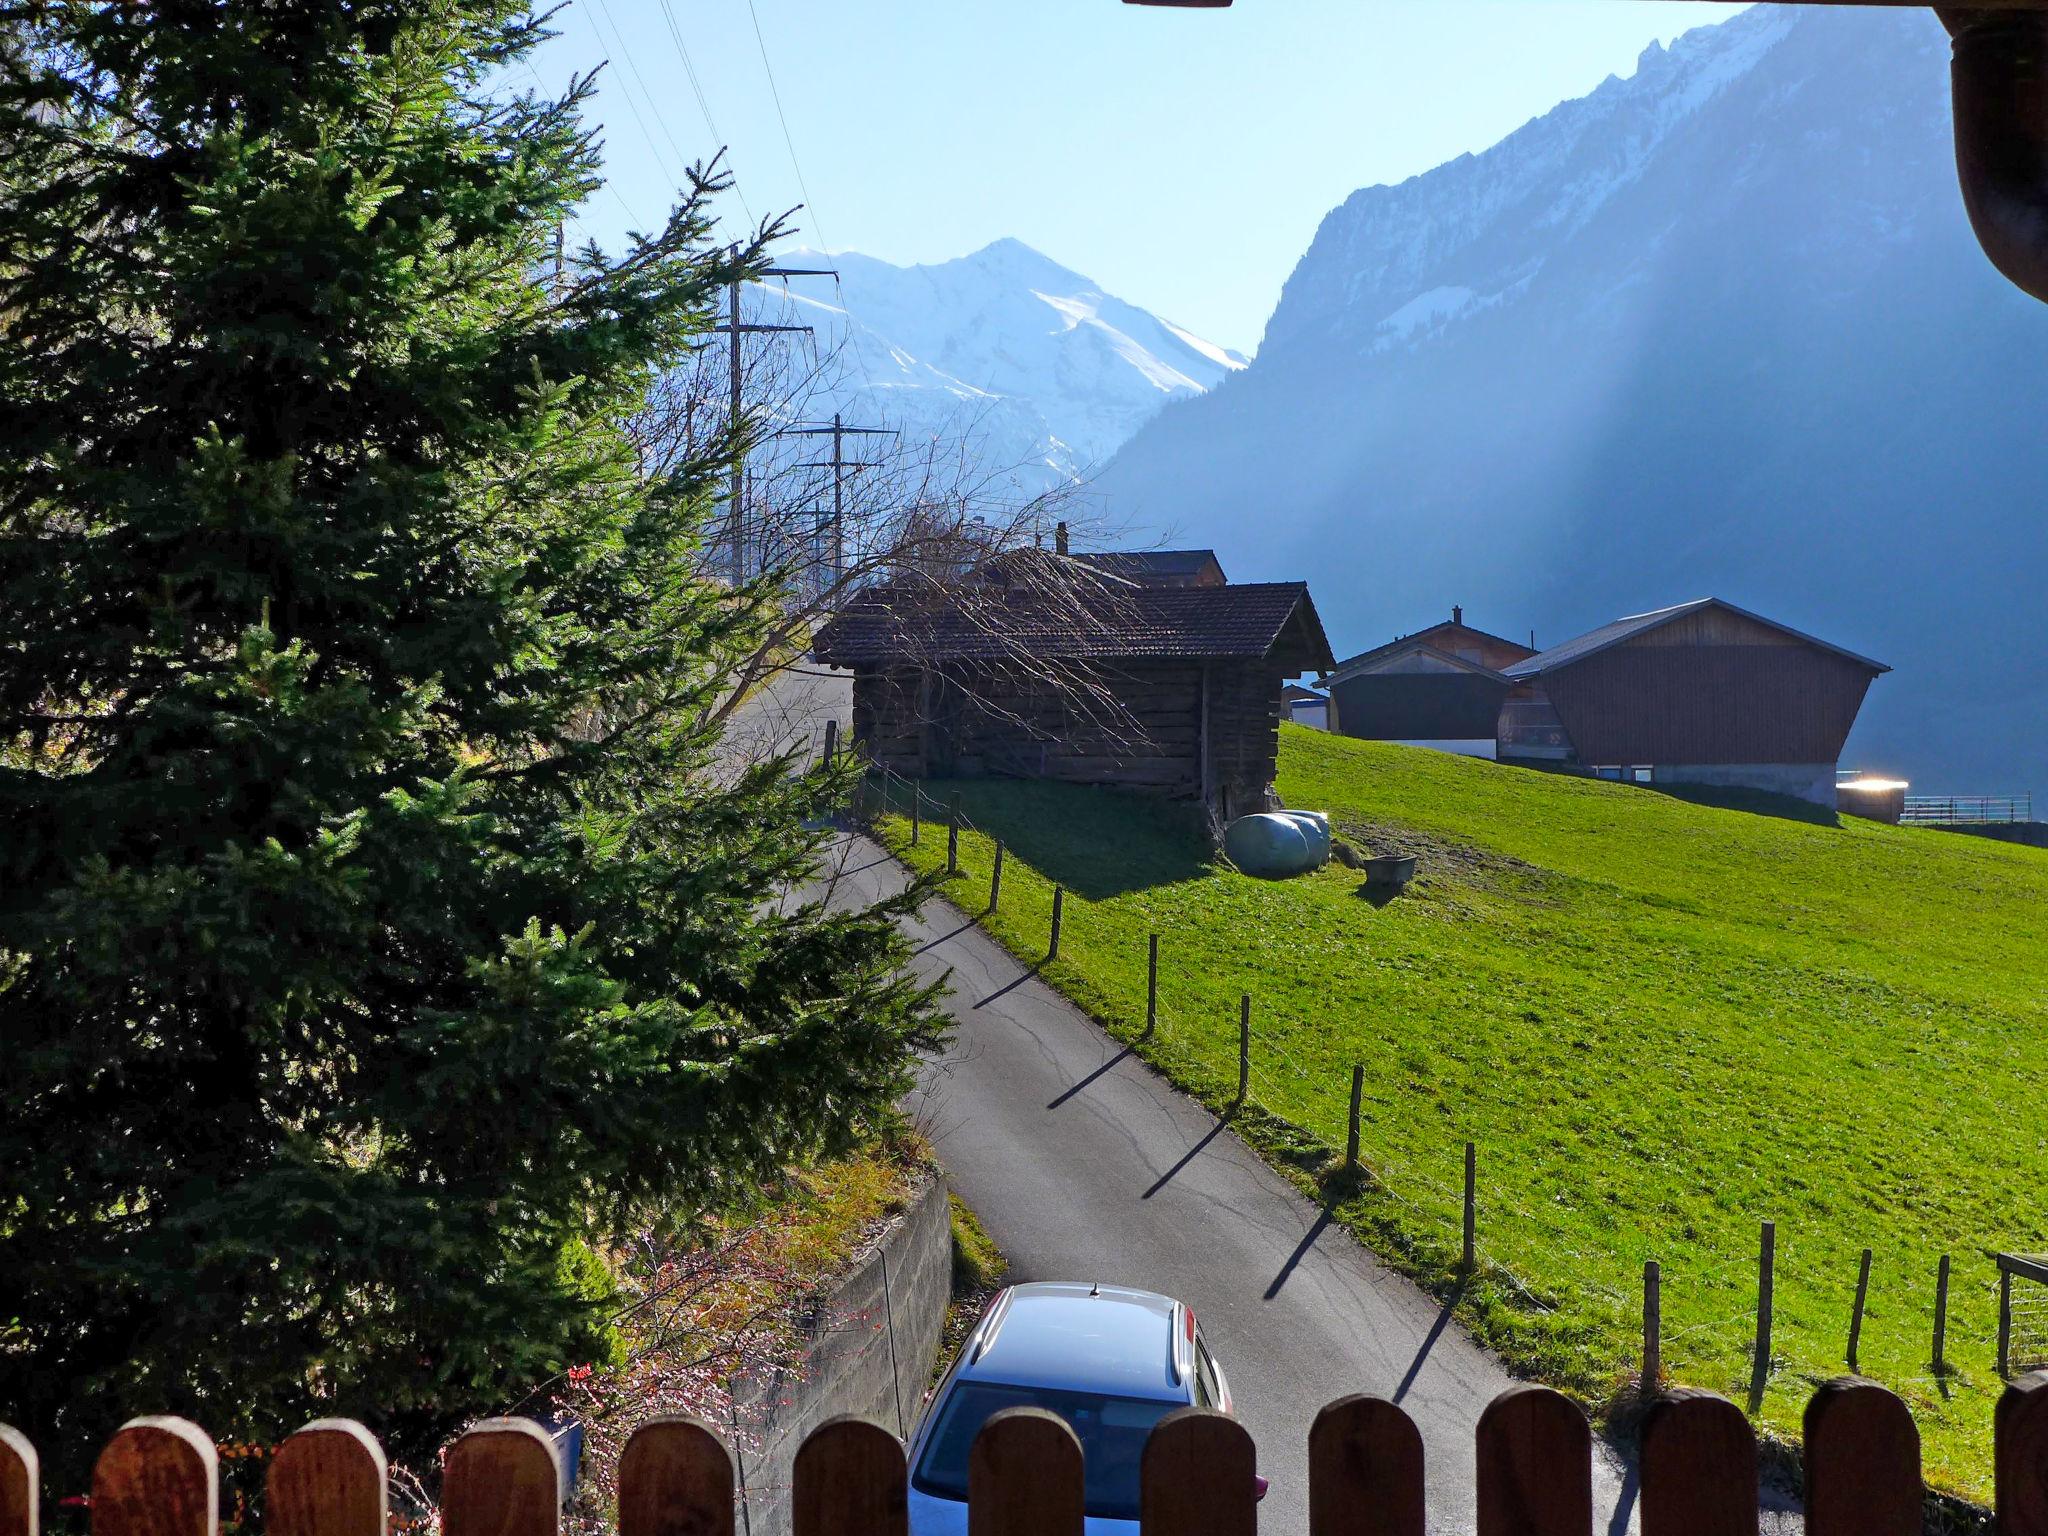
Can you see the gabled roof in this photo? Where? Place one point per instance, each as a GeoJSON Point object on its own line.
{"type": "Point", "coordinates": [1420, 640]}
{"type": "Point", "coordinates": [1087, 622]}
{"type": "Point", "coordinates": [1594, 641]}
{"type": "Point", "coordinates": [1294, 693]}
{"type": "Point", "coordinates": [1406, 646]}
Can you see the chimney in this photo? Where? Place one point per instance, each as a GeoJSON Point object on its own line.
{"type": "Point", "coordinates": [1059, 535]}
{"type": "Point", "coordinates": [1532, 639]}
{"type": "Point", "coordinates": [1457, 614]}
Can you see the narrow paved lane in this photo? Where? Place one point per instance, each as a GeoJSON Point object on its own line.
{"type": "Point", "coordinates": [1085, 1164]}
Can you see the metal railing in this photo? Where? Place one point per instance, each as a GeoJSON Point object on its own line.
{"type": "Point", "coordinates": [1947, 810]}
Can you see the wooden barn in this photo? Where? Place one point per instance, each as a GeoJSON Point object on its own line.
{"type": "Point", "coordinates": [1441, 686]}
{"type": "Point", "coordinates": [1702, 693]}
{"type": "Point", "coordinates": [1146, 671]}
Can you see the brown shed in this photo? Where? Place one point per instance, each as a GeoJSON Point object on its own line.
{"type": "Point", "coordinates": [1700, 693]}
{"type": "Point", "coordinates": [1088, 669]}
{"type": "Point", "coordinates": [1440, 685]}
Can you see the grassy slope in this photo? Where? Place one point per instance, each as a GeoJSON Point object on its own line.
{"type": "Point", "coordinates": [1662, 1023]}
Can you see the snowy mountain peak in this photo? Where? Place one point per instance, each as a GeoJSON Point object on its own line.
{"type": "Point", "coordinates": [1050, 371]}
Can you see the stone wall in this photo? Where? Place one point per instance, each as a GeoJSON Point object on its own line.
{"type": "Point", "coordinates": [868, 1350]}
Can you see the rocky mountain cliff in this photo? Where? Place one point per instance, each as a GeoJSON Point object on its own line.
{"type": "Point", "coordinates": [1719, 328]}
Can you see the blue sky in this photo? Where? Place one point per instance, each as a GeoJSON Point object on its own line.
{"type": "Point", "coordinates": [1180, 158]}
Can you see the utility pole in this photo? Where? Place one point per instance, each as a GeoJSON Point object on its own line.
{"type": "Point", "coordinates": [735, 328]}
{"type": "Point", "coordinates": [839, 464]}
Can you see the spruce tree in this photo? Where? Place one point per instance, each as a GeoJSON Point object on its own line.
{"type": "Point", "coordinates": [373, 923]}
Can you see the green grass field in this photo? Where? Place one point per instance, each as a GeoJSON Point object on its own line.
{"type": "Point", "coordinates": [1662, 1024]}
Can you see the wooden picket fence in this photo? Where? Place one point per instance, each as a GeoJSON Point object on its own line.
{"type": "Point", "coordinates": [1698, 1469]}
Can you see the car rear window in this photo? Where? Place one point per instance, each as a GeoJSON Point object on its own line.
{"type": "Point", "coordinates": [1111, 1430]}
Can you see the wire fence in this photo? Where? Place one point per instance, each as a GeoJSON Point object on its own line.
{"type": "Point", "coordinates": [1712, 1308]}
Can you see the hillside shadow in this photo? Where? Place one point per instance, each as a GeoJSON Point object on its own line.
{"type": "Point", "coordinates": [1754, 802]}
{"type": "Point", "coordinates": [1095, 842]}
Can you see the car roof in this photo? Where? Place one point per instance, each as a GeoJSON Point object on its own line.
{"type": "Point", "coordinates": [1084, 1338]}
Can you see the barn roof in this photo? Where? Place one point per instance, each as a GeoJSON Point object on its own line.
{"type": "Point", "coordinates": [1407, 645]}
{"type": "Point", "coordinates": [1594, 641]}
{"type": "Point", "coordinates": [1242, 622]}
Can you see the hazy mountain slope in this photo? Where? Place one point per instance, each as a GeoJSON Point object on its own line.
{"type": "Point", "coordinates": [1049, 371]}
{"type": "Point", "coordinates": [1719, 328]}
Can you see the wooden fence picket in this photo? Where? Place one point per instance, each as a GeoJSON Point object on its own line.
{"type": "Point", "coordinates": [1364, 1470]}
{"type": "Point", "coordinates": [850, 1482]}
{"type": "Point", "coordinates": [20, 1484]}
{"type": "Point", "coordinates": [1196, 1477]}
{"type": "Point", "coordinates": [157, 1477]}
{"type": "Point", "coordinates": [1535, 1461]}
{"type": "Point", "coordinates": [329, 1479]}
{"type": "Point", "coordinates": [2020, 1457]}
{"type": "Point", "coordinates": [1698, 1467]}
{"type": "Point", "coordinates": [503, 1478]}
{"type": "Point", "coordinates": [1024, 1477]}
{"type": "Point", "coordinates": [1862, 1462]}
{"type": "Point", "coordinates": [675, 1479]}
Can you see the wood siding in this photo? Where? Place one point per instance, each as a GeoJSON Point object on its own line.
{"type": "Point", "coordinates": [1441, 705]}
{"type": "Point", "coordinates": [1724, 699]}
{"type": "Point", "coordinates": [974, 722]}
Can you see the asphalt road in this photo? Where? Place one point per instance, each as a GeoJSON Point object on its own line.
{"type": "Point", "coordinates": [1085, 1164]}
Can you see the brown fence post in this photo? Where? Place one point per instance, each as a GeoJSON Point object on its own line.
{"type": "Point", "coordinates": [2020, 1457]}
{"type": "Point", "coordinates": [2004, 1320]}
{"type": "Point", "coordinates": [1653, 1326]}
{"type": "Point", "coordinates": [995, 879]}
{"type": "Point", "coordinates": [1024, 1476]}
{"type": "Point", "coordinates": [1862, 1462]}
{"type": "Point", "coordinates": [157, 1477]}
{"type": "Point", "coordinates": [503, 1478]}
{"type": "Point", "coordinates": [831, 741]}
{"type": "Point", "coordinates": [1470, 1258]}
{"type": "Point", "coordinates": [1195, 1477]}
{"type": "Point", "coordinates": [1244, 1045]}
{"type": "Point", "coordinates": [1698, 1467]}
{"type": "Point", "coordinates": [953, 837]}
{"type": "Point", "coordinates": [1535, 1465]}
{"type": "Point", "coordinates": [1766, 1271]}
{"type": "Point", "coordinates": [328, 1479]}
{"type": "Point", "coordinates": [1357, 1097]}
{"type": "Point", "coordinates": [20, 1484]}
{"type": "Point", "coordinates": [849, 1481]}
{"type": "Point", "coordinates": [916, 811]}
{"type": "Point", "coordinates": [1941, 1318]}
{"type": "Point", "coordinates": [1059, 902]}
{"type": "Point", "coordinates": [1856, 1315]}
{"type": "Point", "coordinates": [1152, 985]}
{"type": "Point", "coordinates": [1364, 1470]}
{"type": "Point", "coordinates": [675, 1479]}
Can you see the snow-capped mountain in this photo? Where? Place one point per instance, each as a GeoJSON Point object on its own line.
{"type": "Point", "coordinates": [1717, 328]}
{"type": "Point", "coordinates": [1049, 374]}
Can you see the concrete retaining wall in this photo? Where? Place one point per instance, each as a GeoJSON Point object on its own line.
{"type": "Point", "coordinates": [868, 1350]}
{"type": "Point", "coordinates": [2033, 833]}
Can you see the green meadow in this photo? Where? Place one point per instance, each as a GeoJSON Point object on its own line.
{"type": "Point", "coordinates": [1662, 1023]}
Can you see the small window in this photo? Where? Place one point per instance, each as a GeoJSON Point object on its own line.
{"type": "Point", "coordinates": [1608, 772]}
{"type": "Point", "coordinates": [1640, 773]}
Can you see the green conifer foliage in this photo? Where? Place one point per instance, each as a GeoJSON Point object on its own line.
{"type": "Point", "coordinates": [372, 926]}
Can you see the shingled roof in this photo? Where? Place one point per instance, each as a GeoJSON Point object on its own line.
{"type": "Point", "coordinates": [1091, 623]}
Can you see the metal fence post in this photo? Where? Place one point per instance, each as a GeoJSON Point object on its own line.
{"type": "Point", "coordinates": [1941, 1318]}
{"type": "Point", "coordinates": [1856, 1314]}
{"type": "Point", "coordinates": [1244, 1046]}
{"type": "Point", "coordinates": [1653, 1325]}
{"type": "Point", "coordinates": [1471, 1258]}
{"type": "Point", "coordinates": [1152, 985]}
{"type": "Point", "coordinates": [1357, 1094]}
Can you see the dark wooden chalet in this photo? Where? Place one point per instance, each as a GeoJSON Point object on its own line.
{"type": "Point", "coordinates": [1090, 669]}
{"type": "Point", "coordinates": [1701, 693]}
{"type": "Point", "coordinates": [1441, 684]}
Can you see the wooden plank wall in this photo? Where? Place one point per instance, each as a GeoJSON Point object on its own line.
{"type": "Point", "coordinates": [1698, 1474]}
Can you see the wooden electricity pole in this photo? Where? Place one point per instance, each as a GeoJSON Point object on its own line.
{"type": "Point", "coordinates": [839, 464]}
{"type": "Point", "coordinates": [735, 327]}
